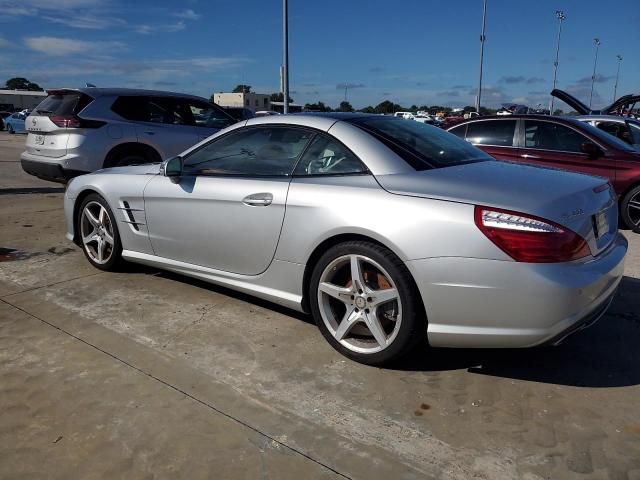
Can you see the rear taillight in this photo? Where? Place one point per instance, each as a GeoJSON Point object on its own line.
{"type": "Point", "coordinates": [526, 238]}
{"type": "Point", "coordinates": [71, 121]}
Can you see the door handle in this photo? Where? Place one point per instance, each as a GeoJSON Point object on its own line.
{"type": "Point", "coordinates": [526, 155]}
{"type": "Point", "coordinates": [258, 199]}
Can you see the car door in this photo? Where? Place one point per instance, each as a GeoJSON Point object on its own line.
{"type": "Point", "coordinates": [164, 126]}
{"type": "Point", "coordinates": [226, 209]}
{"type": "Point", "coordinates": [496, 137]}
{"type": "Point", "coordinates": [557, 145]}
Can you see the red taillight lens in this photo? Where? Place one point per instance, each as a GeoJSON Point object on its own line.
{"type": "Point", "coordinates": [526, 238]}
{"type": "Point", "coordinates": [65, 121]}
{"type": "Point", "coordinates": [71, 121]}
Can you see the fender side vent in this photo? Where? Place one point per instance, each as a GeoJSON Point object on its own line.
{"type": "Point", "coordinates": [129, 214]}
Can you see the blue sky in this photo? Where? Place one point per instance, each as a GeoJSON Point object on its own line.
{"type": "Point", "coordinates": [407, 51]}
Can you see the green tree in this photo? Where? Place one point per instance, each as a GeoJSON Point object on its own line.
{"type": "Point", "coordinates": [345, 107]}
{"type": "Point", "coordinates": [279, 97]}
{"type": "Point", "coordinates": [241, 88]}
{"type": "Point", "coordinates": [368, 109]}
{"type": "Point", "coordinates": [317, 107]}
{"type": "Point", "coordinates": [20, 83]}
{"type": "Point", "coordinates": [387, 107]}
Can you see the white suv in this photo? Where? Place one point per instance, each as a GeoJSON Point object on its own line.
{"type": "Point", "coordinates": [77, 131]}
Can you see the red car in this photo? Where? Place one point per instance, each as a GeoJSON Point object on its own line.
{"type": "Point", "coordinates": [562, 142]}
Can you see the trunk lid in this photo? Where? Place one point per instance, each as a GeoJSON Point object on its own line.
{"type": "Point", "coordinates": [582, 109]}
{"type": "Point", "coordinates": [575, 201]}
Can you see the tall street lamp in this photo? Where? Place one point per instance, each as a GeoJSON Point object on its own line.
{"type": "Point", "coordinates": [482, 39]}
{"type": "Point", "coordinates": [615, 87]}
{"type": "Point", "coordinates": [561, 18]}
{"type": "Point", "coordinates": [596, 42]}
{"type": "Point", "coordinates": [285, 54]}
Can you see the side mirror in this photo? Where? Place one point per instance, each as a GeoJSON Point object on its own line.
{"type": "Point", "coordinates": [172, 167]}
{"type": "Point", "coordinates": [591, 149]}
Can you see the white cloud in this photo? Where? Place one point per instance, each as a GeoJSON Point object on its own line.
{"type": "Point", "coordinates": [87, 21]}
{"type": "Point", "coordinates": [148, 29]}
{"type": "Point", "coordinates": [188, 14]}
{"type": "Point", "coordinates": [67, 46]}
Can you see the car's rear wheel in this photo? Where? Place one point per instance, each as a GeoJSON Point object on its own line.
{"type": "Point", "coordinates": [10, 130]}
{"type": "Point", "coordinates": [366, 304]}
{"type": "Point", "coordinates": [630, 209]}
{"type": "Point", "coordinates": [98, 232]}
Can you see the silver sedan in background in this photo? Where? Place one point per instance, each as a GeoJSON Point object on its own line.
{"type": "Point", "coordinates": [392, 234]}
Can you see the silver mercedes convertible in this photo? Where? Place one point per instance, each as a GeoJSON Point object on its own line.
{"type": "Point", "coordinates": [393, 234]}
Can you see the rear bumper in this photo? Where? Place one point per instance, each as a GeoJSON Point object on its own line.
{"type": "Point", "coordinates": [49, 171]}
{"type": "Point", "coordinates": [503, 304]}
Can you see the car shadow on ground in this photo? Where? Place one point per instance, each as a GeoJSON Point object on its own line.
{"type": "Point", "coordinates": [605, 355]}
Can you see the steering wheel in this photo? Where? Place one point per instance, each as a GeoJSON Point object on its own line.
{"type": "Point", "coordinates": [323, 165]}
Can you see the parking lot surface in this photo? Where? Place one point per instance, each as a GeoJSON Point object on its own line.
{"type": "Point", "coordinates": [146, 374]}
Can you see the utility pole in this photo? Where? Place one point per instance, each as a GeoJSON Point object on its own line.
{"type": "Point", "coordinates": [561, 17]}
{"type": "Point", "coordinates": [596, 42]}
{"type": "Point", "coordinates": [615, 87]}
{"type": "Point", "coordinates": [285, 54]}
{"type": "Point", "coordinates": [482, 39]}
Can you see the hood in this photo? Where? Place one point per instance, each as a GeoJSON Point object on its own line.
{"type": "Point", "coordinates": [557, 195]}
{"type": "Point", "coordinates": [582, 109]}
{"type": "Point", "coordinates": [145, 169]}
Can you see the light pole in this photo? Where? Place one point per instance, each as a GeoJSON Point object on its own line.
{"type": "Point", "coordinates": [482, 39]}
{"type": "Point", "coordinates": [596, 42]}
{"type": "Point", "coordinates": [285, 54]}
{"type": "Point", "coordinates": [561, 18]}
{"type": "Point", "coordinates": [615, 87]}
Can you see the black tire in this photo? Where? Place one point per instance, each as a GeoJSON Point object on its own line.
{"type": "Point", "coordinates": [115, 261]}
{"type": "Point", "coordinates": [10, 130]}
{"type": "Point", "coordinates": [130, 157]}
{"type": "Point", "coordinates": [412, 331]}
{"type": "Point", "coordinates": [630, 209]}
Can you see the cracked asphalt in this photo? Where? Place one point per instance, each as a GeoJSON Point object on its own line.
{"type": "Point", "coordinates": [146, 374]}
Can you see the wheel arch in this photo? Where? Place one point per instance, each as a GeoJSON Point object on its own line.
{"type": "Point", "coordinates": [330, 242]}
{"type": "Point", "coordinates": [622, 196]}
{"type": "Point", "coordinates": [127, 147]}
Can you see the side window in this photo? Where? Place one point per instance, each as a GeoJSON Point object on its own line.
{"type": "Point", "coordinates": [131, 108]}
{"type": "Point", "coordinates": [460, 131]}
{"type": "Point", "coordinates": [260, 151]}
{"type": "Point", "coordinates": [327, 156]}
{"type": "Point", "coordinates": [617, 129]}
{"type": "Point", "coordinates": [634, 129]}
{"type": "Point", "coordinates": [492, 132]}
{"type": "Point", "coordinates": [209, 116]}
{"type": "Point", "coordinates": [552, 136]}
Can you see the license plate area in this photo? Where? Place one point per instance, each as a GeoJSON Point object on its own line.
{"type": "Point", "coordinates": [39, 140]}
{"type": "Point", "coordinates": [600, 224]}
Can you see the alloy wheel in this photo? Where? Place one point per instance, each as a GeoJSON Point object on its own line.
{"type": "Point", "coordinates": [359, 303]}
{"type": "Point", "coordinates": [633, 210]}
{"type": "Point", "coordinates": [97, 232]}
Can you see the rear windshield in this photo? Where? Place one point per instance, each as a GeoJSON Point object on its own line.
{"type": "Point", "coordinates": [63, 103]}
{"type": "Point", "coordinates": [420, 145]}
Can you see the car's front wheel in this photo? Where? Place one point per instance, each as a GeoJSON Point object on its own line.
{"type": "Point", "coordinates": [366, 304]}
{"type": "Point", "coordinates": [98, 232]}
{"type": "Point", "coordinates": [630, 209]}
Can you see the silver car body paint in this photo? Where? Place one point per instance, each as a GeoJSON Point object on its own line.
{"type": "Point", "coordinates": [474, 294]}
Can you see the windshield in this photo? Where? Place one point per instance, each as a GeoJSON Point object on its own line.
{"type": "Point", "coordinates": [607, 138]}
{"type": "Point", "coordinates": [420, 145]}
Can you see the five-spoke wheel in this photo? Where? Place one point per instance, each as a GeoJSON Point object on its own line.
{"type": "Point", "coordinates": [365, 303]}
{"type": "Point", "coordinates": [630, 209]}
{"type": "Point", "coordinates": [98, 233]}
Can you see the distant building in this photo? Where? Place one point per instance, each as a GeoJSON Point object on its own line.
{"type": "Point", "coordinates": [13, 100]}
{"type": "Point", "coordinates": [252, 101]}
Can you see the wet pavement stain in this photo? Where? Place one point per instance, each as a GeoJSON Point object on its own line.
{"type": "Point", "coordinates": [13, 254]}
